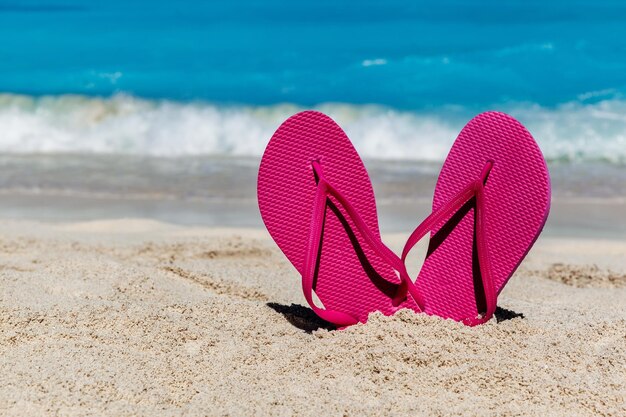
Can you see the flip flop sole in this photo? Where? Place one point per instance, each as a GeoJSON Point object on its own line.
{"type": "Point", "coordinates": [517, 201]}
{"type": "Point", "coordinates": [351, 277]}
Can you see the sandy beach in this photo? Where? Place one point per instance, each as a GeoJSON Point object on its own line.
{"type": "Point", "coordinates": [137, 277]}
{"type": "Point", "coordinates": [137, 317]}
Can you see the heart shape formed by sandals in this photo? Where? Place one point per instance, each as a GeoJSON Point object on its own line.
{"type": "Point", "coordinates": [491, 202]}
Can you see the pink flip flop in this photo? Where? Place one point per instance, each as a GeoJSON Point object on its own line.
{"type": "Point", "coordinates": [317, 203]}
{"type": "Point", "coordinates": [490, 204]}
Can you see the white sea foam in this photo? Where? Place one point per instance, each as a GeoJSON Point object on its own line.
{"type": "Point", "coordinates": [129, 125]}
{"type": "Point", "coordinates": [373, 62]}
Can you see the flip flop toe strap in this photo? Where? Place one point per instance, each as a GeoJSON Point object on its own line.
{"type": "Point", "coordinates": [472, 190]}
{"type": "Point", "coordinates": [323, 191]}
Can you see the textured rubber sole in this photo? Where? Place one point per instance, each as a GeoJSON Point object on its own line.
{"type": "Point", "coordinates": [517, 201]}
{"type": "Point", "coordinates": [351, 277]}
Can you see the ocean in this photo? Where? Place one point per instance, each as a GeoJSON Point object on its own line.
{"type": "Point", "coordinates": [402, 76]}
{"type": "Point", "coordinates": [202, 85]}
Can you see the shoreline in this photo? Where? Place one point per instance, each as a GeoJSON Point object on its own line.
{"type": "Point", "coordinates": [588, 199]}
{"type": "Point", "coordinates": [569, 217]}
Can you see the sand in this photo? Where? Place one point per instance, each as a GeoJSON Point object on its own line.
{"type": "Point", "coordinates": [135, 317]}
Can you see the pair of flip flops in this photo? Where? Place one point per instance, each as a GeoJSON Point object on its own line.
{"type": "Point", "coordinates": [491, 201]}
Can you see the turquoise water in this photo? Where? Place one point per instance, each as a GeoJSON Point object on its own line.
{"type": "Point", "coordinates": [216, 77]}
{"type": "Point", "coordinates": [400, 53]}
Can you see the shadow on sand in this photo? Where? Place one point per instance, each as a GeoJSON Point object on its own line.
{"type": "Point", "coordinates": [305, 319]}
{"type": "Point", "coordinates": [301, 317]}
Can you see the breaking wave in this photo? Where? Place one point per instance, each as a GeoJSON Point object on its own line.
{"type": "Point", "coordinates": [124, 124]}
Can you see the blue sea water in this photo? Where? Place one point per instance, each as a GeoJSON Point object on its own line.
{"type": "Point", "coordinates": [216, 77]}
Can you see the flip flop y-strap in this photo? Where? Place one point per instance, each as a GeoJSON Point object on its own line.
{"type": "Point", "coordinates": [323, 191]}
{"type": "Point", "coordinates": [473, 190]}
